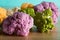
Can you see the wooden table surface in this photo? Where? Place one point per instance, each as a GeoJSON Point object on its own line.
{"type": "Point", "coordinates": [55, 35]}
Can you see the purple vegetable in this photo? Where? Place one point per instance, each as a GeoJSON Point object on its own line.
{"type": "Point", "coordinates": [53, 6]}
{"type": "Point", "coordinates": [20, 23]}
{"type": "Point", "coordinates": [45, 5]}
{"type": "Point", "coordinates": [39, 7]}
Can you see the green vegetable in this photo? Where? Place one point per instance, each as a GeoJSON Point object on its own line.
{"type": "Point", "coordinates": [29, 11]}
{"type": "Point", "coordinates": [48, 12]}
{"type": "Point", "coordinates": [43, 20]}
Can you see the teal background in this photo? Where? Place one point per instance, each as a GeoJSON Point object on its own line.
{"type": "Point", "coordinates": [14, 3]}
{"type": "Point", "coordinates": [17, 3]}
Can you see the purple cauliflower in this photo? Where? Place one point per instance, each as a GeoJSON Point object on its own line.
{"type": "Point", "coordinates": [19, 23]}
{"type": "Point", "coordinates": [45, 5]}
